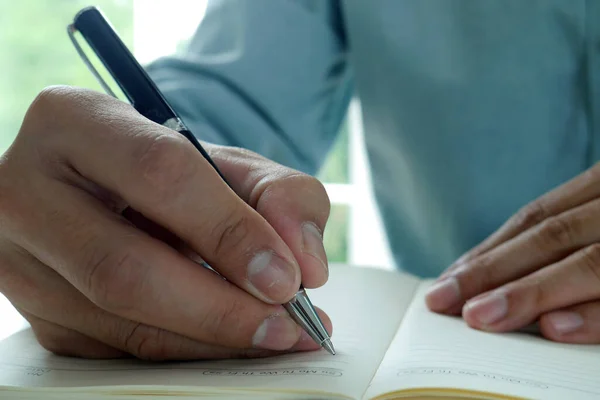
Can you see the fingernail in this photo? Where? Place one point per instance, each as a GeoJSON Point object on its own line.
{"type": "Point", "coordinates": [444, 294]}
{"type": "Point", "coordinates": [488, 309]}
{"type": "Point", "coordinates": [271, 276]}
{"type": "Point", "coordinates": [313, 244]}
{"type": "Point", "coordinates": [565, 321]}
{"type": "Point", "coordinates": [278, 332]}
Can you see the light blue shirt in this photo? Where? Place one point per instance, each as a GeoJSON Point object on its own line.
{"type": "Point", "coordinates": [472, 108]}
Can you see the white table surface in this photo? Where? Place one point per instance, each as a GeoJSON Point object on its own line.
{"type": "Point", "coordinates": [10, 320]}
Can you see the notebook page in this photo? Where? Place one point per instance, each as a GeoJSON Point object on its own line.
{"type": "Point", "coordinates": [363, 304]}
{"type": "Point", "coordinates": [432, 350]}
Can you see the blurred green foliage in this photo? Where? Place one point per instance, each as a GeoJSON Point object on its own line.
{"type": "Point", "coordinates": [335, 237]}
{"type": "Point", "coordinates": [36, 52]}
{"type": "Point", "coordinates": [335, 169]}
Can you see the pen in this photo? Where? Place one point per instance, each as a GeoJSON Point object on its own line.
{"type": "Point", "coordinates": [146, 98]}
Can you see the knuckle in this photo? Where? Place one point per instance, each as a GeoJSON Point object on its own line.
{"type": "Point", "coordinates": [529, 296]}
{"type": "Point", "coordinates": [47, 98]}
{"type": "Point", "coordinates": [312, 187]}
{"type": "Point", "coordinates": [307, 183]}
{"type": "Point", "coordinates": [539, 296]}
{"type": "Point", "coordinates": [532, 294]}
{"type": "Point", "coordinates": [315, 187]}
{"type": "Point", "coordinates": [43, 125]}
{"type": "Point", "coordinates": [229, 234]}
{"type": "Point", "coordinates": [468, 257]}
{"type": "Point", "coordinates": [591, 261]}
{"type": "Point", "coordinates": [45, 109]}
{"type": "Point", "coordinates": [281, 184]}
{"type": "Point", "coordinates": [530, 215]}
{"type": "Point", "coordinates": [40, 114]}
{"type": "Point", "coordinates": [479, 264]}
{"type": "Point", "coordinates": [112, 280]}
{"type": "Point", "coordinates": [165, 166]}
{"type": "Point", "coordinates": [556, 231]}
{"type": "Point", "coordinates": [478, 274]}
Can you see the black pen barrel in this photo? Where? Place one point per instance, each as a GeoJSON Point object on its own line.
{"type": "Point", "coordinates": [127, 72]}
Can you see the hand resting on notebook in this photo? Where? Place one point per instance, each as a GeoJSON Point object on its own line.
{"type": "Point", "coordinates": [97, 279]}
{"type": "Point", "coordinates": [542, 264]}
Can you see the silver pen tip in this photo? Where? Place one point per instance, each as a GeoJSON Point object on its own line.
{"type": "Point", "coordinates": [328, 346]}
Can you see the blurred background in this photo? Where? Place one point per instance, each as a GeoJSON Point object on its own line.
{"type": "Point", "coordinates": [36, 53]}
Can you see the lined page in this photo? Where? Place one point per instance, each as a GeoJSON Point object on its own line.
{"type": "Point", "coordinates": [365, 305]}
{"type": "Point", "coordinates": [432, 350]}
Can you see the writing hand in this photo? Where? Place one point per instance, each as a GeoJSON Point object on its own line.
{"type": "Point", "coordinates": [543, 263]}
{"type": "Point", "coordinates": [95, 281]}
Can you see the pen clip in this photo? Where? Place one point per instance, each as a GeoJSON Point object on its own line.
{"type": "Point", "coordinates": [71, 31]}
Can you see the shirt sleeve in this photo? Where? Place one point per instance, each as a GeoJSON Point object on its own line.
{"type": "Point", "coordinates": [268, 75]}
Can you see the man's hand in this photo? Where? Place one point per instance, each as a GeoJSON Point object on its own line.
{"type": "Point", "coordinates": [544, 263]}
{"type": "Point", "coordinates": [95, 281]}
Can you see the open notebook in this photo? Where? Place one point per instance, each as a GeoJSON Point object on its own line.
{"type": "Point", "coordinates": [389, 346]}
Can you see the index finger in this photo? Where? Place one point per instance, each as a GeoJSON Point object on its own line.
{"type": "Point", "coordinates": [535, 248]}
